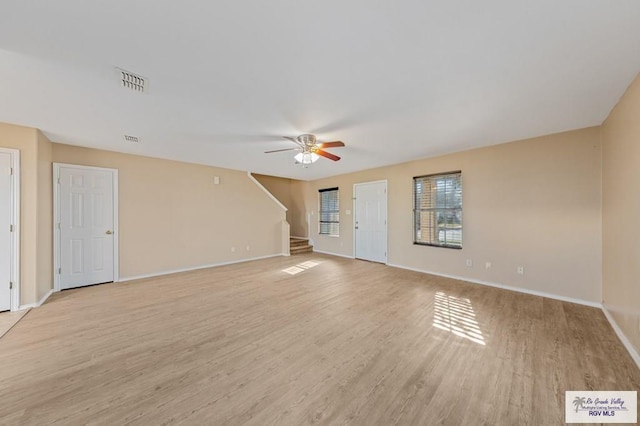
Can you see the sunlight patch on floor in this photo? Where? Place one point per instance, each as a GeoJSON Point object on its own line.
{"type": "Point", "coordinates": [300, 267]}
{"type": "Point", "coordinates": [456, 315]}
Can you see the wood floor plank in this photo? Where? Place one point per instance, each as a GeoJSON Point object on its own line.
{"type": "Point", "coordinates": [9, 319]}
{"type": "Point", "coordinates": [310, 339]}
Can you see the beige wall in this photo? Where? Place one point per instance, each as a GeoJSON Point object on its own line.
{"type": "Point", "coordinates": [35, 209]}
{"type": "Point", "coordinates": [299, 215]}
{"type": "Point", "coordinates": [44, 217]}
{"type": "Point", "coordinates": [172, 216]}
{"type": "Point", "coordinates": [533, 203]}
{"type": "Point", "coordinates": [279, 188]}
{"type": "Point", "coordinates": [621, 210]}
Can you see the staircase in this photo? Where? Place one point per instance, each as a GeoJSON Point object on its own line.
{"type": "Point", "coordinates": [299, 245]}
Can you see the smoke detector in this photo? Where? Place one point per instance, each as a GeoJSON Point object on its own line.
{"type": "Point", "coordinates": [132, 81]}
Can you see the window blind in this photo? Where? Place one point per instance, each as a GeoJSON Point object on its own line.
{"type": "Point", "coordinates": [329, 211]}
{"type": "Point", "coordinates": [437, 209]}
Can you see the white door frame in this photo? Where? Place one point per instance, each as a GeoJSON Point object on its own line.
{"type": "Point", "coordinates": [15, 221]}
{"type": "Point", "coordinates": [56, 219]}
{"type": "Point", "coordinates": [386, 225]}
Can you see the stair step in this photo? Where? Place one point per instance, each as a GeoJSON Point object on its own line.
{"type": "Point", "coordinates": [301, 249]}
{"type": "Point", "coordinates": [296, 242]}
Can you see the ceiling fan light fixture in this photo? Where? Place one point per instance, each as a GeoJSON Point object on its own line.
{"type": "Point", "coordinates": [306, 158]}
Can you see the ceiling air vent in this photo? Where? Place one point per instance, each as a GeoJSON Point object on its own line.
{"type": "Point", "coordinates": [130, 138]}
{"type": "Point", "coordinates": [132, 81]}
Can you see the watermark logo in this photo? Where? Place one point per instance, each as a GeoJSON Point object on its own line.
{"type": "Point", "coordinates": [601, 406]}
{"type": "Point", "coordinates": [579, 402]}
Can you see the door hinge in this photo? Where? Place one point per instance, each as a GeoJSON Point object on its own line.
{"type": "Point", "coordinates": [59, 225]}
{"type": "Point", "coordinates": [10, 228]}
{"type": "Point", "coordinates": [11, 171]}
{"type": "Point", "coordinates": [59, 271]}
{"type": "Point", "coordinates": [10, 285]}
{"type": "Point", "coordinates": [58, 181]}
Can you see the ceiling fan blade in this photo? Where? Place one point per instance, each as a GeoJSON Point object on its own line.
{"type": "Point", "coordinates": [335, 144]}
{"type": "Point", "coordinates": [326, 154]}
{"type": "Point", "coordinates": [294, 140]}
{"type": "Point", "coordinates": [280, 150]}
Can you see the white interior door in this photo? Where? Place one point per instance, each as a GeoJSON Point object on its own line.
{"type": "Point", "coordinates": [6, 206]}
{"type": "Point", "coordinates": [86, 226]}
{"type": "Point", "coordinates": [371, 221]}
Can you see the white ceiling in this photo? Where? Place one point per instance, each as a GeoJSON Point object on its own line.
{"type": "Point", "coordinates": [395, 80]}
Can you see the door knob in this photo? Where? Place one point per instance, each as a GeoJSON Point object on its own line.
{"type": "Point", "coordinates": [109, 232]}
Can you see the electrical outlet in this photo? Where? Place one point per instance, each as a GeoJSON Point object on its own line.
{"type": "Point", "coordinates": [233, 249]}
{"type": "Point", "coordinates": [487, 265]}
{"type": "Point", "coordinates": [469, 263]}
{"type": "Point", "coordinates": [520, 270]}
{"type": "Point", "coordinates": [248, 248]}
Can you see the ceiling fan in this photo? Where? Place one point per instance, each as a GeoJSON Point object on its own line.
{"type": "Point", "coordinates": [310, 149]}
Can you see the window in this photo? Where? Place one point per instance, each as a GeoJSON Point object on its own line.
{"type": "Point", "coordinates": [437, 210]}
{"type": "Point", "coordinates": [329, 212]}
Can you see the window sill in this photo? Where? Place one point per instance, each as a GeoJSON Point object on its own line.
{"type": "Point", "coordinates": [438, 246]}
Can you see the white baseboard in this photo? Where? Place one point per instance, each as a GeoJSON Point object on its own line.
{"type": "Point", "coordinates": [38, 303]}
{"type": "Point", "coordinates": [44, 298]}
{"type": "Point", "coordinates": [195, 268]}
{"type": "Point", "coordinates": [27, 306]}
{"type": "Point", "coordinates": [505, 287]}
{"type": "Point", "coordinates": [332, 254]}
{"type": "Point", "coordinates": [627, 344]}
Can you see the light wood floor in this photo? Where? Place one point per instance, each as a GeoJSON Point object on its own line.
{"type": "Point", "coordinates": [9, 319]}
{"type": "Point", "coordinates": [331, 341]}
